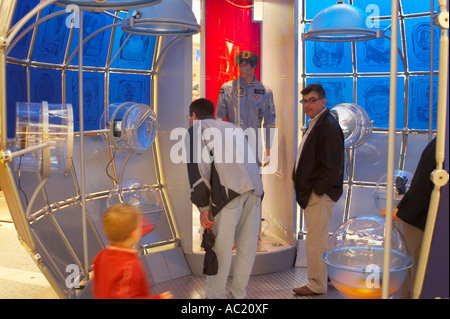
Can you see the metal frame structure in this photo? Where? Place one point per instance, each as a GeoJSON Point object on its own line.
{"type": "Point", "coordinates": [439, 177]}
{"type": "Point", "coordinates": [24, 220]}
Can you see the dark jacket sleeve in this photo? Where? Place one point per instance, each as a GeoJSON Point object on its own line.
{"type": "Point", "coordinates": [332, 159]}
{"type": "Point", "coordinates": [413, 208]}
{"type": "Point", "coordinates": [200, 188]}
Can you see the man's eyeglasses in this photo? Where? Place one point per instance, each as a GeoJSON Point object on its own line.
{"type": "Point", "coordinates": [311, 101]}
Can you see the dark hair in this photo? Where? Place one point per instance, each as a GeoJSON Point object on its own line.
{"type": "Point", "coordinates": [202, 108]}
{"type": "Point", "coordinates": [314, 87]}
{"type": "Point", "coordinates": [247, 56]}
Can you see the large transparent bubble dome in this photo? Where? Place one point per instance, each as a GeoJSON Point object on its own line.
{"type": "Point", "coordinates": [354, 122]}
{"type": "Point", "coordinates": [355, 258]}
{"type": "Point", "coordinates": [140, 194]}
{"type": "Point", "coordinates": [402, 181]}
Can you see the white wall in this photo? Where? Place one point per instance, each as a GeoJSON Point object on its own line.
{"type": "Point", "coordinates": [278, 71]}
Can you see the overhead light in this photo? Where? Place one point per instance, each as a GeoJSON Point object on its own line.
{"type": "Point", "coordinates": [341, 23]}
{"type": "Point", "coordinates": [170, 18]}
{"type": "Point", "coordinates": [108, 4]}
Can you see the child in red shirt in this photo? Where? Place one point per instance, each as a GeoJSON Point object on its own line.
{"type": "Point", "coordinates": [118, 272]}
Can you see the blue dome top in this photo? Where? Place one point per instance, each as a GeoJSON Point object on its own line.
{"type": "Point", "coordinates": [339, 15]}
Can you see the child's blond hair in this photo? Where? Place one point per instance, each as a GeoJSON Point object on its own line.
{"type": "Point", "coordinates": [119, 221]}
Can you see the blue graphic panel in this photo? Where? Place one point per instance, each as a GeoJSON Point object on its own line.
{"type": "Point", "coordinates": [328, 57]}
{"type": "Point", "coordinates": [16, 91]}
{"type": "Point", "coordinates": [373, 9]}
{"type": "Point", "coordinates": [375, 55]}
{"type": "Point", "coordinates": [136, 53]}
{"type": "Point", "coordinates": [419, 102]}
{"type": "Point", "coordinates": [418, 6]}
{"type": "Point", "coordinates": [338, 90]}
{"type": "Point", "coordinates": [45, 85]}
{"type": "Point", "coordinates": [51, 39]}
{"type": "Point", "coordinates": [129, 88]}
{"type": "Point", "coordinates": [96, 49]}
{"type": "Point", "coordinates": [418, 37]}
{"type": "Point", "coordinates": [20, 50]}
{"type": "Point", "coordinates": [373, 96]}
{"type": "Point", "coordinates": [93, 98]}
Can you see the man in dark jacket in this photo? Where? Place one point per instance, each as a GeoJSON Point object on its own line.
{"type": "Point", "coordinates": [318, 179]}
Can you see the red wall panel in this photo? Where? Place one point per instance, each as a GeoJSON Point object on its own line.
{"type": "Point", "coordinates": [228, 30]}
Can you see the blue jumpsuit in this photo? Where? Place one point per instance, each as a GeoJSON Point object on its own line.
{"type": "Point", "coordinates": [247, 106]}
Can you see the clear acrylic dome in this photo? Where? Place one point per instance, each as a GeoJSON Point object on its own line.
{"type": "Point", "coordinates": [355, 258]}
{"type": "Point", "coordinates": [402, 181]}
{"type": "Point", "coordinates": [139, 127]}
{"type": "Point", "coordinates": [132, 127]}
{"type": "Point", "coordinates": [354, 122]}
{"type": "Point", "coordinates": [140, 194]}
{"type": "Point", "coordinates": [38, 123]}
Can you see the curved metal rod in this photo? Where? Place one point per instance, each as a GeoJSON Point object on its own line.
{"type": "Point", "coordinates": [118, 51]}
{"type": "Point", "coordinates": [439, 176]}
{"type": "Point", "coordinates": [391, 150]}
{"type": "Point", "coordinates": [24, 32]}
{"type": "Point", "coordinates": [33, 197]}
{"type": "Point", "coordinates": [19, 25]}
{"type": "Point", "coordinates": [87, 39]}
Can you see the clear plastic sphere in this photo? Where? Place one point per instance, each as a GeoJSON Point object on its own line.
{"type": "Point", "coordinates": [132, 127]}
{"type": "Point", "coordinates": [354, 122]}
{"type": "Point", "coordinates": [139, 127]}
{"type": "Point", "coordinates": [402, 181]}
{"type": "Point", "coordinates": [140, 194]}
{"type": "Point", "coordinates": [355, 258]}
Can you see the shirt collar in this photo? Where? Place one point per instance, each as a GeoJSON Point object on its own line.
{"type": "Point", "coordinates": [314, 120]}
{"type": "Point", "coordinates": [120, 248]}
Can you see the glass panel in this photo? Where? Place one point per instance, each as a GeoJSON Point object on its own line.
{"type": "Point", "coordinates": [328, 57]}
{"type": "Point", "coordinates": [51, 39]}
{"type": "Point", "coordinates": [418, 6]}
{"type": "Point", "coordinates": [418, 38]}
{"type": "Point", "coordinates": [93, 98]}
{"type": "Point", "coordinates": [96, 49]}
{"type": "Point", "coordinates": [373, 96]}
{"type": "Point", "coordinates": [419, 102]}
{"type": "Point", "coordinates": [363, 202]}
{"type": "Point", "coordinates": [371, 157]}
{"type": "Point", "coordinates": [16, 91]}
{"type": "Point", "coordinates": [136, 53]}
{"type": "Point", "coordinates": [338, 90]}
{"type": "Point", "coordinates": [129, 88]}
{"type": "Point", "coordinates": [375, 55]}
{"type": "Point", "coordinates": [20, 51]}
{"type": "Point", "coordinates": [45, 85]}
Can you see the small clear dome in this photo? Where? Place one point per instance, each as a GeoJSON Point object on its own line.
{"type": "Point", "coordinates": [355, 258]}
{"type": "Point", "coordinates": [402, 181]}
{"type": "Point", "coordinates": [132, 127]}
{"type": "Point", "coordinates": [354, 122]}
{"type": "Point", "coordinates": [138, 193]}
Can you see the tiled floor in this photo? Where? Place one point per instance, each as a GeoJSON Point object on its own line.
{"type": "Point", "coordinates": [20, 278]}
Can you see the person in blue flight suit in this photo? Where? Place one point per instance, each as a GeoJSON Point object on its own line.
{"type": "Point", "coordinates": [248, 103]}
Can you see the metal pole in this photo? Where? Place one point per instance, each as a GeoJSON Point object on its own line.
{"type": "Point", "coordinates": [391, 148]}
{"type": "Point", "coordinates": [439, 176]}
{"type": "Point", "coordinates": [82, 166]}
